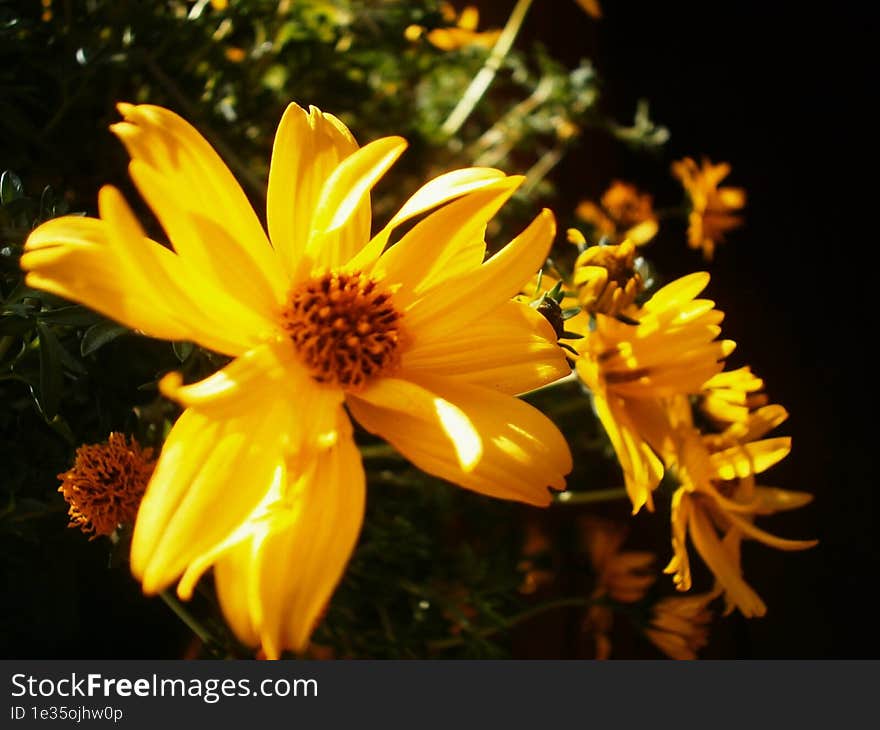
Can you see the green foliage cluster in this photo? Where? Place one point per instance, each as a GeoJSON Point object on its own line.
{"type": "Point", "coordinates": [437, 570]}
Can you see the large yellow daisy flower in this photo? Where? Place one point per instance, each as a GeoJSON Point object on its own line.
{"type": "Point", "coordinates": [421, 343]}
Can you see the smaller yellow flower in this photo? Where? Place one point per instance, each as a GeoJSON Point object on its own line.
{"type": "Point", "coordinates": [591, 8]}
{"type": "Point", "coordinates": [712, 207]}
{"type": "Point", "coordinates": [731, 396]}
{"type": "Point", "coordinates": [623, 213]}
{"type": "Point", "coordinates": [234, 54]}
{"type": "Point", "coordinates": [622, 577]}
{"type": "Point", "coordinates": [606, 278]}
{"type": "Point", "coordinates": [105, 486]}
{"type": "Point", "coordinates": [632, 369]}
{"type": "Point", "coordinates": [680, 625]}
{"type": "Point", "coordinates": [463, 34]}
{"type": "Point", "coordinates": [718, 494]}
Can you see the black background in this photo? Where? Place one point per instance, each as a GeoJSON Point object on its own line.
{"type": "Point", "coordinates": [782, 91]}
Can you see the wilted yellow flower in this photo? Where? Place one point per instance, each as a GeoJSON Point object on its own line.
{"type": "Point", "coordinates": [623, 577]}
{"type": "Point", "coordinates": [712, 208]}
{"type": "Point", "coordinates": [420, 343]}
{"type": "Point", "coordinates": [632, 369]}
{"type": "Point", "coordinates": [624, 213]}
{"type": "Point", "coordinates": [105, 486]}
{"type": "Point", "coordinates": [731, 396]}
{"type": "Point", "coordinates": [718, 494]}
{"type": "Point", "coordinates": [463, 34]}
{"type": "Point", "coordinates": [606, 279]}
{"type": "Point", "coordinates": [680, 624]}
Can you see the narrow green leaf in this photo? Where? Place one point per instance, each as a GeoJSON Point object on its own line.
{"type": "Point", "coordinates": [99, 335]}
{"type": "Point", "coordinates": [75, 316]}
{"type": "Point", "coordinates": [10, 187]}
{"type": "Point", "coordinates": [182, 350]}
{"type": "Point", "coordinates": [51, 374]}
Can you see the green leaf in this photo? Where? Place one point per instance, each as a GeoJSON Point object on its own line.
{"type": "Point", "coordinates": [10, 187]}
{"type": "Point", "coordinates": [51, 374]}
{"type": "Point", "coordinates": [182, 350]}
{"type": "Point", "coordinates": [75, 316]}
{"type": "Point", "coordinates": [99, 335]}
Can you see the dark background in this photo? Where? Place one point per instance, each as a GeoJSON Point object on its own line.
{"type": "Point", "coordinates": [781, 91]}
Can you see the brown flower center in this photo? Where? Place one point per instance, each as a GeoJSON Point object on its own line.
{"type": "Point", "coordinates": [345, 328]}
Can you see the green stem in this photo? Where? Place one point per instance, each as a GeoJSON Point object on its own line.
{"type": "Point", "coordinates": [543, 166]}
{"type": "Point", "coordinates": [592, 497]}
{"type": "Point", "coordinates": [5, 343]}
{"type": "Point", "coordinates": [378, 451]}
{"type": "Point", "coordinates": [512, 621]}
{"type": "Point", "coordinates": [496, 142]}
{"type": "Point", "coordinates": [484, 77]}
{"type": "Point", "coordinates": [188, 619]}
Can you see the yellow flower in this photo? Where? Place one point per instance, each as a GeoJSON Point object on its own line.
{"type": "Point", "coordinates": [718, 494]}
{"type": "Point", "coordinates": [680, 624]}
{"type": "Point", "coordinates": [105, 485]}
{"type": "Point", "coordinates": [420, 343]}
{"type": "Point", "coordinates": [462, 35]}
{"type": "Point", "coordinates": [712, 208]}
{"type": "Point", "coordinates": [624, 213]}
{"type": "Point", "coordinates": [632, 369]}
{"type": "Point", "coordinates": [591, 7]}
{"type": "Point", "coordinates": [606, 279]}
{"type": "Point", "coordinates": [623, 577]}
{"type": "Point", "coordinates": [731, 396]}
{"type": "Point", "coordinates": [235, 54]}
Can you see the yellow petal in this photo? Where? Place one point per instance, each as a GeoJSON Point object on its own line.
{"type": "Point", "coordinates": [438, 191]}
{"type": "Point", "coordinates": [772, 499]}
{"type": "Point", "coordinates": [711, 550]}
{"type": "Point", "coordinates": [679, 566]}
{"type": "Point", "coordinates": [446, 245]}
{"type": "Point", "coordinates": [188, 508]}
{"type": "Point", "coordinates": [220, 264]}
{"type": "Point", "coordinates": [732, 197]}
{"type": "Point", "coordinates": [232, 574]}
{"type": "Point", "coordinates": [678, 292]}
{"type": "Point", "coordinates": [194, 175]}
{"type": "Point", "coordinates": [255, 375]}
{"type": "Point", "coordinates": [512, 350]}
{"type": "Point", "coordinates": [269, 373]}
{"type": "Point", "coordinates": [643, 232]}
{"type": "Point", "coordinates": [752, 458]}
{"type": "Point", "coordinates": [301, 556]}
{"type": "Point", "coordinates": [343, 194]}
{"type": "Point", "coordinates": [307, 149]}
{"type": "Point", "coordinates": [72, 257]}
{"type": "Point", "coordinates": [446, 309]}
{"type": "Point", "coordinates": [760, 535]}
{"type": "Point", "coordinates": [471, 436]}
{"type": "Point", "coordinates": [110, 266]}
